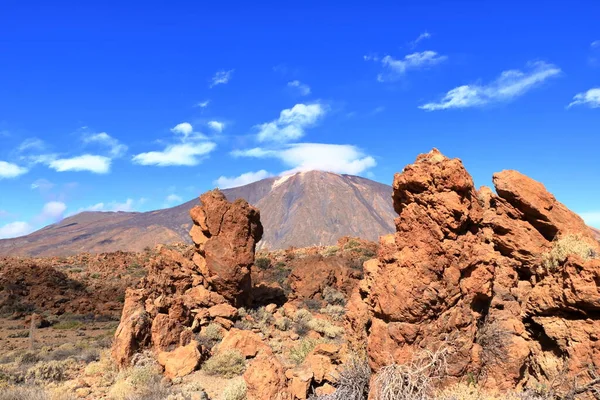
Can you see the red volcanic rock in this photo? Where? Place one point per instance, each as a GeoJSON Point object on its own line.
{"type": "Point", "coordinates": [539, 207]}
{"type": "Point", "coordinates": [232, 229]}
{"type": "Point", "coordinates": [186, 290]}
{"type": "Point", "coordinates": [464, 272]}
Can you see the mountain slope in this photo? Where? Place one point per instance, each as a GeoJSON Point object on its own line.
{"type": "Point", "coordinates": [299, 210]}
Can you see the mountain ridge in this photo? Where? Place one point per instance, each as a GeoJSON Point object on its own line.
{"type": "Point", "coordinates": [301, 209]}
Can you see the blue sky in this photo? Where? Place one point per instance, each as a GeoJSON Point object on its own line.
{"type": "Point", "coordinates": [141, 105]}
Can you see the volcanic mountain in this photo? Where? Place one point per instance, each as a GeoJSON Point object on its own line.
{"type": "Point", "coordinates": [303, 209]}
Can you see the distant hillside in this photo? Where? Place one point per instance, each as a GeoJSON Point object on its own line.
{"type": "Point", "coordinates": [303, 209]}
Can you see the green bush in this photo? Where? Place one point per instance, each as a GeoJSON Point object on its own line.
{"type": "Point", "coordinates": [262, 262]}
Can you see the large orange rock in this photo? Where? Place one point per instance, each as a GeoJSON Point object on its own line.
{"type": "Point", "coordinates": [133, 332]}
{"type": "Point", "coordinates": [233, 229]}
{"type": "Point", "coordinates": [182, 361]}
{"type": "Point", "coordinates": [464, 272]}
{"type": "Point", "coordinates": [265, 379]}
{"type": "Point", "coordinates": [185, 290]}
{"type": "Point", "coordinates": [248, 343]}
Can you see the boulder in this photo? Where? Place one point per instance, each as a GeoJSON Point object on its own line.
{"type": "Point", "coordinates": [248, 343]}
{"type": "Point", "coordinates": [182, 361]}
{"type": "Point", "coordinates": [265, 379]}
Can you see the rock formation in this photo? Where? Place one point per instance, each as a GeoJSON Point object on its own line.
{"type": "Point", "coordinates": [184, 292]}
{"type": "Point", "coordinates": [467, 271]}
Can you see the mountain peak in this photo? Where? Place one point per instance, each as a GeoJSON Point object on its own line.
{"type": "Point", "coordinates": [298, 209]}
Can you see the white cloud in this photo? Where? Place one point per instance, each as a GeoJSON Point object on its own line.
{"type": "Point", "coordinates": [339, 158]}
{"type": "Point", "coordinates": [203, 104]}
{"type": "Point", "coordinates": [216, 126]}
{"type": "Point", "coordinates": [398, 67]}
{"type": "Point", "coordinates": [185, 154]}
{"type": "Point", "coordinates": [173, 198]}
{"type": "Point", "coordinates": [128, 205]}
{"type": "Point", "coordinates": [117, 149]}
{"type": "Point", "coordinates": [188, 152]}
{"type": "Point", "coordinates": [86, 162]}
{"type": "Point", "coordinates": [31, 144]}
{"type": "Point", "coordinates": [9, 170]}
{"type": "Point", "coordinates": [15, 229]}
{"type": "Point", "coordinates": [225, 182]}
{"type": "Point", "coordinates": [291, 123]}
{"type": "Point", "coordinates": [302, 88]}
{"type": "Point", "coordinates": [221, 77]}
{"type": "Point", "coordinates": [53, 210]}
{"type": "Point", "coordinates": [422, 36]}
{"type": "Point", "coordinates": [184, 128]}
{"type": "Point", "coordinates": [595, 43]}
{"type": "Point", "coordinates": [591, 98]}
{"type": "Point", "coordinates": [591, 218]}
{"type": "Point", "coordinates": [508, 86]}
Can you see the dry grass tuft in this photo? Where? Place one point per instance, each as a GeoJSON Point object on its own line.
{"type": "Point", "coordinates": [236, 390]}
{"type": "Point", "coordinates": [227, 364]}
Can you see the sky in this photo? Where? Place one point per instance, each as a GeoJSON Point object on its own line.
{"type": "Point", "coordinates": [135, 106]}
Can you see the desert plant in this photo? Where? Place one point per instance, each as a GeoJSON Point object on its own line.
{"type": "Point", "coordinates": [325, 327]}
{"type": "Point", "coordinates": [352, 382]}
{"type": "Point", "coordinates": [24, 393]}
{"type": "Point", "coordinates": [312, 304]}
{"type": "Point", "coordinates": [139, 382]}
{"type": "Point", "coordinates": [226, 364]}
{"type": "Point", "coordinates": [412, 381]}
{"type": "Point", "coordinates": [333, 296]}
{"type": "Point", "coordinates": [299, 352]}
{"type": "Point", "coordinates": [262, 262]}
{"type": "Point", "coordinates": [565, 246]}
{"type": "Point", "coordinates": [236, 390]}
{"type": "Point", "coordinates": [330, 251]}
{"type": "Point", "coordinates": [335, 312]}
{"type": "Point", "coordinates": [493, 340]}
{"type": "Point", "coordinates": [50, 371]}
{"type": "Point", "coordinates": [67, 324]}
{"type": "Point", "coordinates": [283, 323]}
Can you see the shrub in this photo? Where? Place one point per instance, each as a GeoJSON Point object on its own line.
{"type": "Point", "coordinates": [23, 393]}
{"type": "Point", "coordinates": [19, 335]}
{"type": "Point", "coordinates": [283, 323]}
{"type": "Point", "coordinates": [29, 357]}
{"type": "Point", "coordinates": [227, 364]}
{"type": "Point", "coordinates": [302, 315]}
{"type": "Point", "coordinates": [333, 296]}
{"type": "Point", "coordinates": [262, 262]}
{"type": "Point", "coordinates": [335, 312]}
{"type": "Point", "coordinates": [49, 371]}
{"type": "Point", "coordinates": [67, 325]}
{"type": "Point", "coordinates": [236, 390]}
{"type": "Point", "coordinates": [412, 381]}
{"type": "Point", "coordinates": [312, 304]}
{"type": "Point", "coordinates": [140, 382]}
{"type": "Point", "coordinates": [330, 251]}
{"type": "Point", "coordinates": [213, 332]}
{"type": "Point", "coordinates": [353, 381]}
{"type": "Point", "coordinates": [324, 327]}
{"type": "Point", "coordinates": [104, 368]}
{"type": "Point", "coordinates": [565, 246]}
{"type": "Point", "coordinates": [299, 352]}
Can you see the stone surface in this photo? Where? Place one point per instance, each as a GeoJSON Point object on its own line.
{"type": "Point", "coordinates": [182, 361]}
{"type": "Point", "coordinates": [184, 291]}
{"type": "Point", "coordinates": [265, 379]}
{"type": "Point", "coordinates": [248, 343]}
{"type": "Point", "coordinates": [464, 272]}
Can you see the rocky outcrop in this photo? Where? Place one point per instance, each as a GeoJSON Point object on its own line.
{"type": "Point", "coordinates": [184, 292]}
{"type": "Point", "coordinates": [465, 272]}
